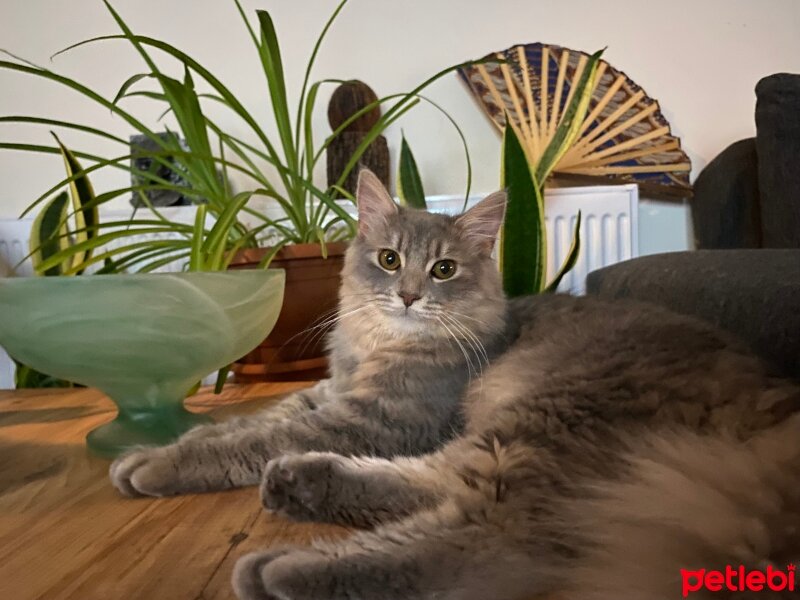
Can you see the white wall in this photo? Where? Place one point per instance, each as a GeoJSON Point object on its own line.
{"type": "Point", "coordinates": [700, 58]}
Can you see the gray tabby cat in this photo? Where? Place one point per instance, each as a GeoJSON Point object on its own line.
{"type": "Point", "coordinates": [501, 450]}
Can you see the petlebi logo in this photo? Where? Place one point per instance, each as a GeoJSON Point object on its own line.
{"type": "Point", "coordinates": [739, 579]}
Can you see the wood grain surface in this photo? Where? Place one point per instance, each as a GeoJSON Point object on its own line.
{"type": "Point", "coordinates": [65, 533]}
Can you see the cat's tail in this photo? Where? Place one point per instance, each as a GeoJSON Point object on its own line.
{"type": "Point", "coordinates": [694, 509]}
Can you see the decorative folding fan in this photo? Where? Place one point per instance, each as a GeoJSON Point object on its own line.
{"type": "Point", "coordinates": [624, 135]}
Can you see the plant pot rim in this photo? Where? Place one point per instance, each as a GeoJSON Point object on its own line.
{"type": "Point", "coordinates": [290, 252]}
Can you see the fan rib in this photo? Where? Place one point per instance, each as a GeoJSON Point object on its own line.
{"type": "Point", "coordinates": [614, 158]}
{"type": "Point", "coordinates": [619, 129]}
{"type": "Point", "coordinates": [532, 109]}
{"type": "Point", "coordinates": [494, 92]}
{"type": "Point", "coordinates": [521, 120]}
{"type": "Point", "coordinates": [601, 67]}
{"type": "Point", "coordinates": [629, 170]}
{"type": "Point", "coordinates": [545, 87]}
{"type": "Point", "coordinates": [633, 142]}
{"type": "Point", "coordinates": [605, 123]}
{"type": "Point", "coordinates": [555, 114]}
{"type": "Point", "coordinates": [603, 102]}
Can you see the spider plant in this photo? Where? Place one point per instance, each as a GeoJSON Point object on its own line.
{"type": "Point", "coordinates": [309, 213]}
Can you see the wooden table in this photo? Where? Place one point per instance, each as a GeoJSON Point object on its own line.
{"type": "Point", "coordinates": [66, 533]}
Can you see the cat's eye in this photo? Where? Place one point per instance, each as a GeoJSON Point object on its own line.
{"type": "Point", "coordinates": [389, 259]}
{"type": "Point", "coordinates": [444, 269]}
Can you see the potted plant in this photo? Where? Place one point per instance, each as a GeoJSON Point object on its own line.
{"type": "Point", "coordinates": [311, 224]}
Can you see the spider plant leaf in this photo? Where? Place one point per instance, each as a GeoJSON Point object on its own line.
{"type": "Point", "coordinates": [128, 84]}
{"type": "Point", "coordinates": [270, 54]}
{"type": "Point", "coordinates": [84, 91]}
{"type": "Point", "coordinates": [320, 233]}
{"type": "Point", "coordinates": [49, 235]}
{"type": "Point", "coordinates": [572, 256]}
{"type": "Point", "coordinates": [64, 124]}
{"type": "Point", "coordinates": [100, 240]}
{"type": "Point", "coordinates": [222, 377]}
{"type": "Point", "coordinates": [216, 240]}
{"type": "Point", "coordinates": [523, 252]}
{"type": "Point", "coordinates": [230, 99]}
{"type": "Point", "coordinates": [409, 183]}
{"type": "Point", "coordinates": [196, 261]}
{"type": "Point", "coordinates": [85, 211]}
{"type": "Point", "coordinates": [570, 123]}
{"type": "Point", "coordinates": [304, 114]}
{"type": "Point", "coordinates": [271, 253]}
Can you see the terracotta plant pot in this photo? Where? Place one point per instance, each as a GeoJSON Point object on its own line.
{"type": "Point", "coordinates": [291, 352]}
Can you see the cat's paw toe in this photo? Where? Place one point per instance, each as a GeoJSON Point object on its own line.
{"type": "Point", "coordinates": [296, 485]}
{"type": "Point", "coordinates": [146, 472]}
{"type": "Point", "coordinates": [248, 578]}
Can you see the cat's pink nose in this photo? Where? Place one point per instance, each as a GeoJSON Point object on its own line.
{"type": "Point", "coordinates": [408, 298]}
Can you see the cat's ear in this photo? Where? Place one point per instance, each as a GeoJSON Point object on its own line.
{"type": "Point", "coordinates": [375, 204]}
{"type": "Point", "coordinates": [482, 222]}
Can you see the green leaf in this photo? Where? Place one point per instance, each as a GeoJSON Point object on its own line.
{"type": "Point", "coordinates": [196, 261]}
{"type": "Point", "coordinates": [49, 235]}
{"type": "Point", "coordinates": [570, 123]}
{"type": "Point", "coordinates": [222, 377]}
{"type": "Point", "coordinates": [65, 124]}
{"type": "Point", "coordinates": [572, 256]}
{"type": "Point", "coordinates": [523, 252]}
{"type": "Point", "coordinates": [271, 254]}
{"type": "Point", "coordinates": [409, 183]}
{"type": "Point", "coordinates": [127, 84]}
{"type": "Point", "coordinates": [270, 53]}
{"type": "Point", "coordinates": [305, 115]}
{"type": "Point", "coordinates": [84, 206]}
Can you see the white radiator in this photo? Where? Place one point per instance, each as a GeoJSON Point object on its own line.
{"type": "Point", "coordinates": [609, 227]}
{"type": "Point", "coordinates": [609, 234]}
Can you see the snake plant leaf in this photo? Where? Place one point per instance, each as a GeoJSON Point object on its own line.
{"type": "Point", "coordinates": [49, 235]}
{"type": "Point", "coordinates": [572, 256]}
{"type": "Point", "coordinates": [523, 249]}
{"type": "Point", "coordinates": [409, 183]}
{"type": "Point", "coordinates": [570, 124]}
{"type": "Point", "coordinates": [84, 207]}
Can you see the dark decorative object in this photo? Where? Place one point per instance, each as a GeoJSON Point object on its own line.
{"type": "Point", "coordinates": [347, 100]}
{"type": "Point", "coordinates": [141, 147]}
{"type": "Point", "coordinates": [747, 196]}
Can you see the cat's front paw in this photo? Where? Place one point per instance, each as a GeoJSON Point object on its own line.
{"type": "Point", "coordinates": [278, 574]}
{"type": "Point", "coordinates": [299, 486]}
{"type": "Point", "coordinates": [145, 472]}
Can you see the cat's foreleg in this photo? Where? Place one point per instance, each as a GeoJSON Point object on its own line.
{"type": "Point", "coordinates": [238, 458]}
{"type": "Point", "coordinates": [363, 492]}
{"type": "Point", "coordinates": [459, 551]}
{"type": "Point", "coordinates": [291, 406]}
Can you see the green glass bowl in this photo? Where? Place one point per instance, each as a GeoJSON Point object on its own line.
{"type": "Point", "coordinates": [143, 339]}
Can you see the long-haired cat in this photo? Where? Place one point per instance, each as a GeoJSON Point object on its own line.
{"type": "Point", "coordinates": [499, 450]}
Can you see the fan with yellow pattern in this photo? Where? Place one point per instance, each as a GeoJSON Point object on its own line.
{"type": "Point", "coordinates": [623, 138]}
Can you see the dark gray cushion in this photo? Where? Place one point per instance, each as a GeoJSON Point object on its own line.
{"type": "Point", "coordinates": [725, 210]}
{"type": "Point", "coordinates": [754, 294]}
{"type": "Point", "coordinates": [778, 144]}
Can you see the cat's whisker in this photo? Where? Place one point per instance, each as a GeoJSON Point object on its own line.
{"type": "Point", "coordinates": [477, 349]}
{"type": "Point", "coordinates": [463, 316]}
{"type": "Point", "coordinates": [470, 334]}
{"type": "Point", "coordinates": [470, 367]}
{"type": "Point", "coordinates": [323, 328]}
